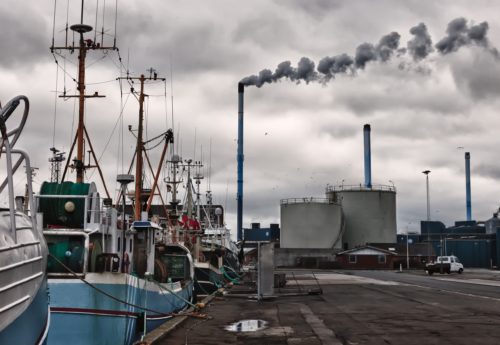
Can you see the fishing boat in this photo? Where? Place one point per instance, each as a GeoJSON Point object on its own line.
{"type": "Point", "coordinates": [24, 309]}
{"type": "Point", "coordinates": [113, 275]}
{"type": "Point", "coordinates": [215, 260]}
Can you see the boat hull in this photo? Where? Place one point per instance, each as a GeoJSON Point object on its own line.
{"type": "Point", "coordinates": [31, 327]}
{"type": "Point", "coordinates": [97, 313]}
{"type": "Point", "coordinates": [207, 280]}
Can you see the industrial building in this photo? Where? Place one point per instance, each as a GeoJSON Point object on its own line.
{"type": "Point", "coordinates": [474, 243]}
{"type": "Point", "coordinates": [315, 230]}
{"type": "Point", "coordinates": [350, 217]}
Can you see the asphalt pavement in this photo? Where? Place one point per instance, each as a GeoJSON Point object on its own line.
{"type": "Point", "coordinates": [356, 307]}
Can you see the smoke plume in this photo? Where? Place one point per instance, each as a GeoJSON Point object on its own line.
{"type": "Point", "coordinates": [421, 45]}
{"type": "Point", "coordinates": [459, 34]}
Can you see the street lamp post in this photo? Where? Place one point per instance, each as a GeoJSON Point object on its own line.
{"type": "Point", "coordinates": [426, 172]}
{"type": "Point", "coordinates": [407, 252]}
{"type": "Point", "coordinates": [407, 248]}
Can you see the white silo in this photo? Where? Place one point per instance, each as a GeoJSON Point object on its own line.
{"type": "Point", "coordinates": [370, 214]}
{"type": "Point", "coordinates": [369, 211]}
{"type": "Point", "coordinates": [310, 223]}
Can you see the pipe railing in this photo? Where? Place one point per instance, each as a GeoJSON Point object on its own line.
{"type": "Point", "coordinates": [360, 187]}
{"type": "Point", "coordinates": [311, 200]}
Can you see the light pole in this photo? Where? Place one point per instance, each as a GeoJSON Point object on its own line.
{"type": "Point", "coordinates": [426, 172]}
{"type": "Point", "coordinates": [407, 249]}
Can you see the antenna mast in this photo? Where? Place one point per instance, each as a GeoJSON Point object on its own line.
{"type": "Point", "coordinates": [140, 142]}
{"type": "Point", "coordinates": [83, 47]}
{"type": "Point", "coordinates": [55, 164]}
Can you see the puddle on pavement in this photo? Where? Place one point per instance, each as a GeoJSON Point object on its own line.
{"type": "Point", "coordinates": [246, 326]}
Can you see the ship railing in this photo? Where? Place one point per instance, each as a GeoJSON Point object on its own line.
{"type": "Point", "coordinates": [9, 183]}
{"type": "Point", "coordinates": [360, 187]}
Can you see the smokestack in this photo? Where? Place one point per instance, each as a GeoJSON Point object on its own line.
{"type": "Point", "coordinates": [368, 158]}
{"type": "Point", "coordinates": [467, 186]}
{"type": "Point", "coordinates": [239, 158]}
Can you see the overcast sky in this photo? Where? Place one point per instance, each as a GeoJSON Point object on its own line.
{"type": "Point", "coordinates": [427, 103]}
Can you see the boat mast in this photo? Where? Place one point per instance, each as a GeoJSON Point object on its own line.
{"type": "Point", "coordinates": [139, 148]}
{"type": "Point", "coordinates": [81, 108]}
{"type": "Point", "coordinates": [139, 164]}
{"type": "Point", "coordinates": [189, 190]}
{"type": "Point", "coordinates": [83, 46]}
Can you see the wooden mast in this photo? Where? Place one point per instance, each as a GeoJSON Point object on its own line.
{"type": "Point", "coordinates": [78, 162]}
{"type": "Point", "coordinates": [140, 142]}
{"type": "Point", "coordinates": [83, 46]}
{"type": "Point", "coordinates": [139, 149]}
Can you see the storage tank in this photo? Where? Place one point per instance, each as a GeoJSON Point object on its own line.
{"type": "Point", "coordinates": [310, 223]}
{"type": "Point", "coordinates": [369, 213]}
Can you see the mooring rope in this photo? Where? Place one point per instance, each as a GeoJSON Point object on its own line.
{"type": "Point", "coordinates": [109, 295]}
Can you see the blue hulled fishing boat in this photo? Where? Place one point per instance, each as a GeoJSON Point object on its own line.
{"type": "Point", "coordinates": [114, 272]}
{"type": "Point", "coordinates": [24, 310]}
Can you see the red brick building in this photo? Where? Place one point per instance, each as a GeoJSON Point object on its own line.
{"type": "Point", "coordinates": [385, 256]}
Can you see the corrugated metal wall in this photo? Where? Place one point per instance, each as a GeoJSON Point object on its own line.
{"type": "Point", "coordinates": [471, 252]}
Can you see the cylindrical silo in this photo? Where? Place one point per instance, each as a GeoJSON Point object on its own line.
{"type": "Point", "coordinates": [310, 223]}
{"type": "Point", "coordinates": [369, 214]}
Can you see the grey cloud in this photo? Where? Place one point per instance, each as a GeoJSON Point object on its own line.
{"type": "Point", "coordinates": [315, 8]}
{"type": "Point", "coordinates": [265, 32]}
{"type": "Point", "coordinates": [477, 75]}
{"type": "Point", "coordinates": [488, 170]}
{"type": "Point", "coordinates": [24, 41]}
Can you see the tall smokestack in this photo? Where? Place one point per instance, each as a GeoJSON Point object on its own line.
{"type": "Point", "coordinates": [467, 186]}
{"type": "Point", "coordinates": [368, 158]}
{"type": "Point", "coordinates": [239, 158]}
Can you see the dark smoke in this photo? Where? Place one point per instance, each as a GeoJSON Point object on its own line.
{"type": "Point", "coordinates": [383, 51]}
{"type": "Point", "coordinates": [329, 66]}
{"type": "Point", "coordinates": [421, 45]}
{"type": "Point", "coordinates": [365, 53]}
{"type": "Point", "coordinates": [388, 45]}
{"type": "Point", "coordinates": [305, 71]}
{"type": "Point", "coordinates": [459, 34]}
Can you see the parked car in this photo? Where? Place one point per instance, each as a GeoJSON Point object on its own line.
{"type": "Point", "coordinates": [445, 264]}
